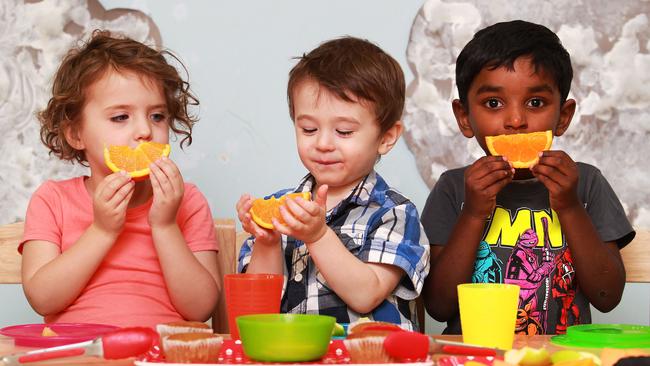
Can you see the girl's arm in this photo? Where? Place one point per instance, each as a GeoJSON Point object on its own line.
{"type": "Point", "coordinates": [53, 280]}
{"type": "Point", "coordinates": [191, 278]}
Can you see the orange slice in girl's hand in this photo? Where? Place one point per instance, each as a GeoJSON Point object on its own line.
{"type": "Point", "coordinates": [522, 149]}
{"type": "Point", "coordinates": [135, 161]}
{"type": "Point", "coordinates": [264, 210]}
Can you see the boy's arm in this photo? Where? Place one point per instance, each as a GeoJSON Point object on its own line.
{"type": "Point", "coordinates": [362, 286]}
{"type": "Point", "coordinates": [266, 254]}
{"type": "Point", "coordinates": [453, 263]}
{"type": "Point", "coordinates": [599, 267]}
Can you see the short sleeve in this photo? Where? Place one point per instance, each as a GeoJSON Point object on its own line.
{"type": "Point", "coordinates": [42, 220]}
{"type": "Point", "coordinates": [245, 254]}
{"type": "Point", "coordinates": [195, 221]}
{"type": "Point", "coordinates": [442, 207]}
{"type": "Point", "coordinates": [398, 239]}
{"type": "Point", "coordinates": [604, 208]}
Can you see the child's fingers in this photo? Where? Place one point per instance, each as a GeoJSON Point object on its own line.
{"type": "Point", "coordinates": [111, 184]}
{"type": "Point", "coordinates": [171, 172]}
{"type": "Point", "coordinates": [291, 220]}
{"type": "Point", "coordinates": [296, 208]}
{"type": "Point", "coordinates": [122, 206]}
{"type": "Point", "coordinates": [284, 229]}
{"type": "Point", "coordinates": [244, 204]}
{"type": "Point", "coordinates": [164, 184]}
{"type": "Point", "coordinates": [155, 183]}
{"type": "Point", "coordinates": [120, 196]}
{"type": "Point", "coordinates": [321, 196]}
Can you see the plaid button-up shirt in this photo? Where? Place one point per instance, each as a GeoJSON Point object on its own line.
{"type": "Point", "coordinates": [376, 224]}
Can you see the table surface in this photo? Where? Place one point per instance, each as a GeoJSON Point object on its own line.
{"type": "Point", "coordinates": [7, 347]}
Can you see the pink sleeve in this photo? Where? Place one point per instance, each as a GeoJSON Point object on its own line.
{"type": "Point", "coordinates": [42, 220]}
{"type": "Point", "coordinates": [195, 221]}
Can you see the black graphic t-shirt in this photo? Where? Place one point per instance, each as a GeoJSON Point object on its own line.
{"type": "Point", "coordinates": [523, 244]}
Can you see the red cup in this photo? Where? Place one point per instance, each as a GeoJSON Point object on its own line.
{"type": "Point", "coordinates": [251, 293]}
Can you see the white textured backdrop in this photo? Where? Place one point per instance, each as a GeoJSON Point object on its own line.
{"type": "Point", "coordinates": [608, 42]}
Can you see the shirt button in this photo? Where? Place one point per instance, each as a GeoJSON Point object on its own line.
{"type": "Point", "coordinates": [298, 277]}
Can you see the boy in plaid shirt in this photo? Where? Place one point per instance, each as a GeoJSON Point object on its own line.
{"type": "Point", "coordinates": [358, 249]}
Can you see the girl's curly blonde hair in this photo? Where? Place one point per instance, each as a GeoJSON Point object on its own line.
{"type": "Point", "coordinates": [86, 64]}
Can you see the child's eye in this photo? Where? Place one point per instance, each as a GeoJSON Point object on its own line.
{"type": "Point", "coordinates": [158, 117]}
{"type": "Point", "coordinates": [120, 118]}
{"type": "Point", "coordinates": [308, 130]}
{"type": "Point", "coordinates": [493, 103]}
{"type": "Point", "coordinates": [344, 133]}
{"type": "Point", "coordinates": [535, 103]}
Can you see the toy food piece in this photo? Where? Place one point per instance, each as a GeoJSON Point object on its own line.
{"type": "Point", "coordinates": [48, 332]}
{"type": "Point", "coordinates": [264, 210]}
{"type": "Point", "coordinates": [135, 161]}
{"type": "Point", "coordinates": [522, 149]}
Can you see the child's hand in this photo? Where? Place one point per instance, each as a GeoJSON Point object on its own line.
{"type": "Point", "coordinates": [168, 189]}
{"type": "Point", "coordinates": [262, 236]}
{"type": "Point", "coordinates": [305, 220]}
{"type": "Point", "coordinates": [559, 173]}
{"type": "Point", "coordinates": [110, 202]}
{"type": "Point", "coordinates": [483, 180]}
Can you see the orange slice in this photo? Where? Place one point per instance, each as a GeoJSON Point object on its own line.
{"type": "Point", "coordinates": [264, 210]}
{"type": "Point", "coordinates": [135, 161]}
{"type": "Point", "coordinates": [48, 332]}
{"type": "Point", "coordinates": [521, 149]}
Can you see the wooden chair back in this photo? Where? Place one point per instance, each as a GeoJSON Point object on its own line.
{"type": "Point", "coordinates": [10, 260]}
{"type": "Point", "coordinates": [226, 264]}
{"type": "Point", "coordinates": [636, 256]}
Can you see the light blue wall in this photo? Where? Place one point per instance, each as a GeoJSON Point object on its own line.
{"type": "Point", "coordinates": [238, 54]}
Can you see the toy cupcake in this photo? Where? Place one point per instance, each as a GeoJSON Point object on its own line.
{"type": "Point", "coordinates": [367, 346]}
{"type": "Point", "coordinates": [192, 347]}
{"type": "Point", "coordinates": [166, 329]}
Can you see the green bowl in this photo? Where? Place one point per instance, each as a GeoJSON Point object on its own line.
{"type": "Point", "coordinates": [285, 337]}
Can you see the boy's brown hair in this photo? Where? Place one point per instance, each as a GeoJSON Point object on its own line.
{"type": "Point", "coordinates": [86, 64]}
{"type": "Point", "coordinates": [355, 67]}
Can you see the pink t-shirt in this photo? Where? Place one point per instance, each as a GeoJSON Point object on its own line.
{"type": "Point", "coordinates": [128, 288]}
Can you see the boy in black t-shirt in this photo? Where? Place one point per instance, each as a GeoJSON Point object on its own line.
{"type": "Point", "coordinates": [545, 228]}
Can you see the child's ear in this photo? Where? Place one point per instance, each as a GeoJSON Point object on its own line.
{"type": "Point", "coordinates": [390, 137]}
{"type": "Point", "coordinates": [462, 118]}
{"type": "Point", "coordinates": [72, 136]}
{"type": "Point", "coordinates": [566, 114]}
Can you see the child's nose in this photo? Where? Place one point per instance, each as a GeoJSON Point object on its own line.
{"type": "Point", "coordinates": [142, 130]}
{"type": "Point", "coordinates": [516, 119]}
{"type": "Point", "coordinates": [325, 141]}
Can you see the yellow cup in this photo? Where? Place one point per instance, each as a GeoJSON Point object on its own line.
{"type": "Point", "coordinates": [488, 312]}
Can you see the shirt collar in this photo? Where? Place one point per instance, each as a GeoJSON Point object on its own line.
{"type": "Point", "coordinates": [372, 188]}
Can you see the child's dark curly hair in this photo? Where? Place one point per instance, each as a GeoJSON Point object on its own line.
{"type": "Point", "coordinates": [86, 64]}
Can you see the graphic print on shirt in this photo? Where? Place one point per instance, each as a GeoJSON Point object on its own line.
{"type": "Point", "coordinates": [564, 291]}
{"type": "Point", "coordinates": [534, 252]}
{"type": "Point", "coordinates": [487, 267]}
